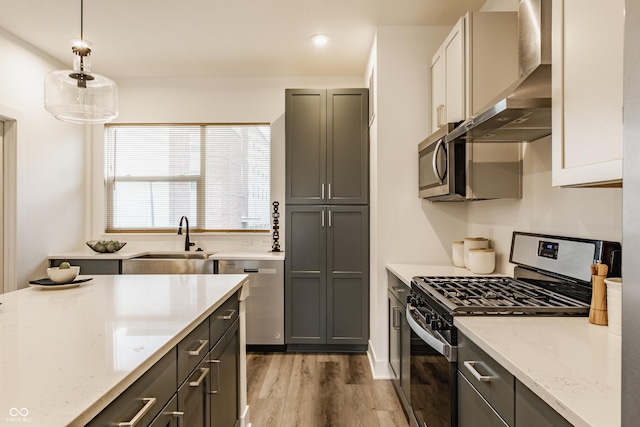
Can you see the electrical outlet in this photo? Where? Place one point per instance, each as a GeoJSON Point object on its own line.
{"type": "Point", "coordinates": [265, 242]}
{"type": "Point", "coordinates": [247, 242]}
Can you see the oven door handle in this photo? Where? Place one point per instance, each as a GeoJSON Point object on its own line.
{"type": "Point", "coordinates": [450, 352]}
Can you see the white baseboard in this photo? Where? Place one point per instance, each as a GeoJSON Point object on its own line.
{"type": "Point", "coordinates": [244, 418]}
{"type": "Point", "coordinates": [379, 368]}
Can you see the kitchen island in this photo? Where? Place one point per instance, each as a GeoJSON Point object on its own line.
{"type": "Point", "coordinates": [571, 364]}
{"type": "Point", "coordinates": [68, 353]}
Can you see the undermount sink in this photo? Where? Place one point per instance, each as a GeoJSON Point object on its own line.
{"type": "Point", "coordinates": [169, 263]}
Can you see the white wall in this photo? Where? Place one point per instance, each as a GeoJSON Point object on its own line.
{"type": "Point", "coordinates": [207, 100]}
{"type": "Point", "coordinates": [404, 228]}
{"type": "Point", "coordinates": [50, 162]}
{"type": "Point", "coordinates": [576, 212]}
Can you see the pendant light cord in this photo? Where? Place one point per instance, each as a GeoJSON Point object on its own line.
{"type": "Point", "coordinates": [81, 20]}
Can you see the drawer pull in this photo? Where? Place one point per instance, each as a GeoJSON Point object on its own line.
{"type": "Point", "coordinates": [196, 352]}
{"type": "Point", "coordinates": [251, 270]}
{"type": "Point", "coordinates": [179, 416]}
{"type": "Point", "coordinates": [217, 362]}
{"type": "Point", "coordinates": [228, 316]}
{"type": "Point", "coordinates": [203, 373]}
{"type": "Point", "coordinates": [150, 401]}
{"type": "Point", "coordinates": [471, 367]}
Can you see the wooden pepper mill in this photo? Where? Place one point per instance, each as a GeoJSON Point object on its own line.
{"type": "Point", "coordinates": [598, 310]}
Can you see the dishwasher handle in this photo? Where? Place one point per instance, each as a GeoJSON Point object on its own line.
{"type": "Point", "coordinates": [250, 271]}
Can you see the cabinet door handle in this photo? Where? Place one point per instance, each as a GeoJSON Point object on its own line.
{"type": "Point", "coordinates": [396, 317]}
{"type": "Point", "coordinates": [329, 191]}
{"type": "Point", "coordinates": [322, 190]}
{"type": "Point", "coordinates": [322, 219]}
{"type": "Point", "coordinates": [217, 362]}
{"type": "Point", "coordinates": [203, 373]}
{"type": "Point", "coordinates": [149, 402]}
{"type": "Point", "coordinates": [330, 215]}
{"type": "Point", "coordinates": [228, 316]}
{"type": "Point", "coordinates": [197, 351]}
{"type": "Point", "coordinates": [471, 367]}
{"type": "Point", "coordinates": [440, 115]}
{"type": "Point", "coordinates": [178, 415]}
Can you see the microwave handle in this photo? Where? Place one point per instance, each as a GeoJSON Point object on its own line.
{"type": "Point", "coordinates": [439, 146]}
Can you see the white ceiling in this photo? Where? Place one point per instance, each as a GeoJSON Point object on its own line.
{"type": "Point", "coordinates": [215, 38]}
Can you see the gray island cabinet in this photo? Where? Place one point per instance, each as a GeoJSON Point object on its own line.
{"type": "Point", "coordinates": [327, 219]}
{"type": "Point", "coordinates": [126, 350]}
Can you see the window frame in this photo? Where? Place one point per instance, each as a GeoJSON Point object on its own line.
{"type": "Point", "coordinates": [200, 182]}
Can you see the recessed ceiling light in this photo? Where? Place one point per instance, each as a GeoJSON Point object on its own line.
{"type": "Point", "coordinates": [320, 39]}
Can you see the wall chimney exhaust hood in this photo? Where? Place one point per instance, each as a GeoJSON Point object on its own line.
{"type": "Point", "coordinates": [523, 111]}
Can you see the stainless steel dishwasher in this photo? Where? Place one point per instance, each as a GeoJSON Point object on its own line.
{"type": "Point", "coordinates": [264, 306]}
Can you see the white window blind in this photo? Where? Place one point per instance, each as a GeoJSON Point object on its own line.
{"type": "Point", "coordinates": [217, 175]}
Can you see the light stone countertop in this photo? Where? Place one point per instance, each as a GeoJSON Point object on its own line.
{"type": "Point", "coordinates": [124, 254]}
{"type": "Point", "coordinates": [67, 353]}
{"type": "Point", "coordinates": [574, 366]}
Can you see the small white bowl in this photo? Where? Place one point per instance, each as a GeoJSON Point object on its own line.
{"type": "Point", "coordinates": [65, 275]}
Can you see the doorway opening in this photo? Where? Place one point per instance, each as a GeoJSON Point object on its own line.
{"type": "Point", "coordinates": [8, 206]}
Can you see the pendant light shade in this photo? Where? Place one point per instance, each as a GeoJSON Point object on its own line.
{"type": "Point", "coordinates": [79, 96]}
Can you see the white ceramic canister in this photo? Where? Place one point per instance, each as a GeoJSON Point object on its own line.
{"type": "Point", "coordinates": [482, 261]}
{"type": "Point", "coordinates": [473, 243]}
{"type": "Point", "coordinates": [614, 304]}
{"type": "Point", "coordinates": [457, 253]}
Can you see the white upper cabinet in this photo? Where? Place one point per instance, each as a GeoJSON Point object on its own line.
{"type": "Point", "coordinates": [476, 62]}
{"type": "Point", "coordinates": [587, 55]}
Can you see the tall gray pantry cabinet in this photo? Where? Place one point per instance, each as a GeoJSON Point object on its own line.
{"type": "Point", "coordinates": [327, 219]}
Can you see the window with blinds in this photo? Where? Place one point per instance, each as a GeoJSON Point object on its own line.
{"type": "Point", "coordinates": [217, 175]}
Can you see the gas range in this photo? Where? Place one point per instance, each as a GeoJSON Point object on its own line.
{"type": "Point", "coordinates": [498, 295]}
{"type": "Point", "coordinates": [552, 277]}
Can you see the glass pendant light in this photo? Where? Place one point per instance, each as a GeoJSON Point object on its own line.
{"type": "Point", "coordinates": [79, 96]}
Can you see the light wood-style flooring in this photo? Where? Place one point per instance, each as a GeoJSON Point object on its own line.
{"type": "Point", "coordinates": [319, 390]}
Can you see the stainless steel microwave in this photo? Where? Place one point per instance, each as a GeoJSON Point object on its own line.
{"type": "Point", "coordinates": [455, 170]}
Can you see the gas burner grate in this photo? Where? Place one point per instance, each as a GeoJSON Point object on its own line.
{"type": "Point", "coordinates": [497, 294]}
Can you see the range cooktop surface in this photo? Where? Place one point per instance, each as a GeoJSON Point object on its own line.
{"type": "Point", "coordinates": [475, 295]}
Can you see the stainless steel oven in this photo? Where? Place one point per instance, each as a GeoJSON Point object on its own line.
{"type": "Point", "coordinates": [433, 357]}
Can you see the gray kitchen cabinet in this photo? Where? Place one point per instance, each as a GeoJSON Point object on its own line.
{"type": "Point", "coordinates": [327, 218]}
{"type": "Point", "coordinates": [327, 280]}
{"type": "Point", "coordinates": [327, 146]}
{"type": "Point", "coordinates": [144, 399]}
{"type": "Point", "coordinates": [490, 396]}
{"type": "Point", "coordinates": [169, 416]}
{"type": "Point", "coordinates": [91, 266]}
{"type": "Point", "coordinates": [473, 409]}
{"type": "Point", "coordinates": [399, 339]}
{"type": "Point", "coordinates": [531, 411]}
{"type": "Point", "coordinates": [225, 376]}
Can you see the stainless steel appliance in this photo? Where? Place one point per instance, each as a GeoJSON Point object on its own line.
{"type": "Point", "coordinates": [451, 171]}
{"type": "Point", "coordinates": [552, 277]}
{"type": "Point", "coordinates": [264, 306]}
{"type": "Point", "coordinates": [523, 111]}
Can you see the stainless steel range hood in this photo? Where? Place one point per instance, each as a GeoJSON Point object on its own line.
{"type": "Point", "coordinates": [523, 111]}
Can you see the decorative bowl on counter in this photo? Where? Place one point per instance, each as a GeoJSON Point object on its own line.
{"type": "Point", "coordinates": [106, 246]}
{"type": "Point", "coordinates": [63, 275]}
